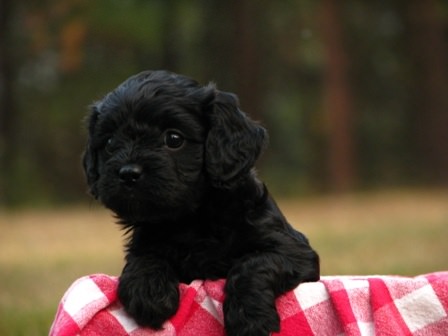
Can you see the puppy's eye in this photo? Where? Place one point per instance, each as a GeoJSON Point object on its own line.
{"type": "Point", "coordinates": [173, 140]}
{"type": "Point", "coordinates": [109, 144]}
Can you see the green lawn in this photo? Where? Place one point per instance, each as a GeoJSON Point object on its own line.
{"type": "Point", "coordinates": [42, 252]}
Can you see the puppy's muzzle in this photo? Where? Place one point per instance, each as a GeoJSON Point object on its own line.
{"type": "Point", "coordinates": [129, 174]}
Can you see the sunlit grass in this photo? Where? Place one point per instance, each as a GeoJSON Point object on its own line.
{"type": "Point", "coordinates": [385, 233]}
{"type": "Point", "coordinates": [42, 252]}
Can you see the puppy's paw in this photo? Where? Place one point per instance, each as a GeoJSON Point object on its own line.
{"type": "Point", "coordinates": [250, 316]}
{"type": "Point", "coordinates": [149, 301]}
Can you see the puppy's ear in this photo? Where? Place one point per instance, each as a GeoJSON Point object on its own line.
{"type": "Point", "coordinates": [89, 159]}
{"type": "Point", "coordinates": [234, 141]}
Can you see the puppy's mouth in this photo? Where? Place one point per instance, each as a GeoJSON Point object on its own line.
{"type": "Point", "coordinates": [129, 204]}
{"type": "Point", "coordinates": [136, 196]}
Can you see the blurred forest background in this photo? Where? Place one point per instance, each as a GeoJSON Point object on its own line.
{"type": "Point", "coordinates": [354, 93]}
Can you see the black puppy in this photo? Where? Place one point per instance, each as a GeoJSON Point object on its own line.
{"type": "Point", "coordinates": [174, 160]}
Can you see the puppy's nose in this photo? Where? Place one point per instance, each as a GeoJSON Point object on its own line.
{"type": "Point", "coordinates": [130, 173]}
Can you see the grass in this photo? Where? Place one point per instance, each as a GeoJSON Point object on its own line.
{"type": "Point", "coordinates": [43, 251]}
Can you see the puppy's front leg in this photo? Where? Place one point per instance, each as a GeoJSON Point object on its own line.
{"type": "Point", "coordinates": [254, 283]}
{"type": "Point", "coordinates": [148, 290]}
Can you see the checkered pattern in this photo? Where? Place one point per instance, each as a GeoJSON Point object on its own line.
{"type": "Point", "coordinates": [374, 305]}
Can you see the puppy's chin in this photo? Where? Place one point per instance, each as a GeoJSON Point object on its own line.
{"type": "Point", "coordinates": [134, 211]}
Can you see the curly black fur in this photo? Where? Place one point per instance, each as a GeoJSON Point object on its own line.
{"type": "Point", "coordinates": [174, 160]}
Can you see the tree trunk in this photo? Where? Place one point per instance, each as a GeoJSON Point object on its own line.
{"type": "Point", "coordinates": [170, 45]}
{"type": "Point", "coordinates": [231, 45]}
{"type": "Point", "coordinates": [430, 52]}
{"type": "Point", "coordinates": [7, 104]}
{"type": "Point", "coordinates": [247, 56]}
{"type": "Point", "coordinates": [338, 101]}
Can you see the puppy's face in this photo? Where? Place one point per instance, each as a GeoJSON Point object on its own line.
{"type": "Point", "coordinates": [159, 141]}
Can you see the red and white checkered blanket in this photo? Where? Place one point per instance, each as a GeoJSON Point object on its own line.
{"type": "Point", "coordinates": [372, 305]}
